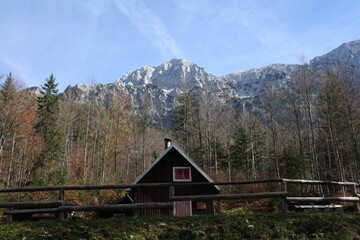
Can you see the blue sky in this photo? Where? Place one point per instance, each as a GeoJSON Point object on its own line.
{"type": "Point", "coordinates": [97, 41]}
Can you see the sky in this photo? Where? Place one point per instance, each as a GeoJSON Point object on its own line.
{"type": "Point", "coordinates": [98, 41]}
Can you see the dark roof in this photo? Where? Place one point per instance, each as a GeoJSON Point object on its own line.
{"type": "Point", "coordinates": [173, 146]}
{"type": "Point", "coordinates": [126, 199]}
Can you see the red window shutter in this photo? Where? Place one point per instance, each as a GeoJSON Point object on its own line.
{"type": "Point", "coordinates": [182, 174]}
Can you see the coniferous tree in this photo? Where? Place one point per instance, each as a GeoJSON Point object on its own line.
{"type": "Point", "coordinates": [8, 89]}
{"type": "Point", "coordinates": [47, 128]}
{"type": "Point", "coordinates": [17, 142]}
{"type": "Point", "coordinates": [8, 121]}
{"type": "Point", "coordinates": [186, 122]}
{"type": "Point", "coordinates": [7, 97]}
{"type": "Point", "coordinates": [241, 149]}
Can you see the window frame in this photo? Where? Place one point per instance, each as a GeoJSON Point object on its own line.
{"type": "Point", "coordinates": [181, 180]}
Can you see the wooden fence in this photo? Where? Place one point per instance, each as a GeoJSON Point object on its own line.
{"type": "Point", "coordinates": [59, 206]}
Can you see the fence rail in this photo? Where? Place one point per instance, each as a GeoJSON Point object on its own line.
{"type": "Point", "coordinates": [146, 185]}
{"type": "Point", "coordinates": [229, 196]}
{"type": "Point", "coordinates": [59, 207]}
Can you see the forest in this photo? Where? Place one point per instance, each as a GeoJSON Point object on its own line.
{"type": "Point", "coordinates": [309, 129]}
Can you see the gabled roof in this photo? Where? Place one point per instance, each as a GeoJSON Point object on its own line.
{"type": "Point", "coordinates": [173, 146]}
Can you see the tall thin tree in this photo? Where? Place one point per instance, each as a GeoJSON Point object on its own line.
{"type": "Point", "coordinates": [47, 128]}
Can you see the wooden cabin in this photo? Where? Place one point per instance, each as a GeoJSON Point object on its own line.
{"type": "Point", "coordinates": [172, 166]}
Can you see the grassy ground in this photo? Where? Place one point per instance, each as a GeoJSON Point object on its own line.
{"type": "Point", "coordinates": [293, 225]}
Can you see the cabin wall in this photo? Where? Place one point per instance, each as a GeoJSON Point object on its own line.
{"type": "Point", "coordinates": [162, 172]}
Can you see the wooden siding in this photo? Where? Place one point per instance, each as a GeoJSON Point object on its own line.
{"type": "Point", "coordinates": [162, 172]}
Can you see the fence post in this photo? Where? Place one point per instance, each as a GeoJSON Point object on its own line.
{"type": "Point", "coordinates": [283, 204]}
{"type": "Point", "coordinates": [171, 194]}
{"type": "Point", "coordinates": [354, 194]}
{"type": "Point", "coordinates": [60, 215]}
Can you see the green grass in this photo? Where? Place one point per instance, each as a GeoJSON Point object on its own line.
{"type": "Point", "coordinates": [293, 225]}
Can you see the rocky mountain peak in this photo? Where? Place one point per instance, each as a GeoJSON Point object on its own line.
{"type": "Point", "coordinates": [178, 62]}
{"type": "Point", "coordinates": [347, 54]}
{"type": "Point", "coordinates": [176, 73]}
{"type": "Point", "coordinates": [252, 82]}
{"type": "Point", "coordinates": [161, 85]}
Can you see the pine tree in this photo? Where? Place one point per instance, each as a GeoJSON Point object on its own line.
{"type": "Point", "coordinates": [47, 128]}
{"type": "Point", "coordinates": [186, 122]}
{"type": "Point", "coordinates": [241, 149]}
{"type": "Point", "coordinates": [8, 118]}
{"type": "Point", "coordinates": [8, 90]}
{"type": "Point", "coordinates": [7, 110]}
{"type": "Point", "coordinates": [17, 145]}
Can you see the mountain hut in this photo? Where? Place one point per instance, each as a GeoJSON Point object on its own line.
{"type": "Point", "coordinates": [172, 166]}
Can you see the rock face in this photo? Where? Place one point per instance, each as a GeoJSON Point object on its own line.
{"type": "Point", "coordinates": [251, 83]}
{"type": "Point", "coordinates": [157, 87]}
{"type": "Point", "coordinates": [348, 54]}
{"type": "Point", "coordinates": [177, 73]}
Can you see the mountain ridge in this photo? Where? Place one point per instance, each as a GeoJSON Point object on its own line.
{"type": "Point", "coordinates": [164, 83]}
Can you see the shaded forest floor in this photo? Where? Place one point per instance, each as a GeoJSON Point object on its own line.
{"type": "Point", "coordinates": [293, 225]}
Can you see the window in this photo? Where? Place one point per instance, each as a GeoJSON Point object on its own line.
{"type": "Point", "coordinates": [182, 174]}
{"type": "Point", "coordinates": [201, 205]}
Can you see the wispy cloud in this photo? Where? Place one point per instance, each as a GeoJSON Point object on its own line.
{"type": "Point", "coordinates": [18, 70]}
{"type": "Point", "coordinates": [250, 23]}
{"type": "Point", "coordinates": [260, 22]}
{"type": "Point", "coordinates": [151, 27]}
{"type": "Point", "coordinates": [252, 20]}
